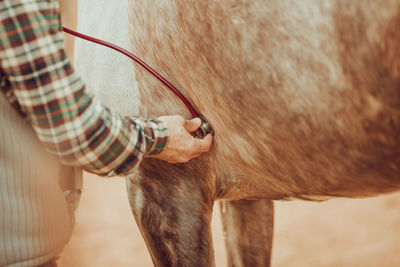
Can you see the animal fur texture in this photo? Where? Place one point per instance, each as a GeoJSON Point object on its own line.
{"type": "Point", "coordinates": [304, 98]}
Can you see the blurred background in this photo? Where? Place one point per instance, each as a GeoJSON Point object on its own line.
{"type": "Point", "coordinates": [340, 232]}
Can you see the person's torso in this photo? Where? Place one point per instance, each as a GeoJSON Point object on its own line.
{"type": "Point", "coordinates": [38, 195]}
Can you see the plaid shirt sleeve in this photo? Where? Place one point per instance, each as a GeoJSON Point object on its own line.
{"type": "Point", "coordinates": [37, 79]}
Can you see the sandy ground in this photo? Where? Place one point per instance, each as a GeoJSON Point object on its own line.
{"type": "Point", "coordinates": [341, 232]}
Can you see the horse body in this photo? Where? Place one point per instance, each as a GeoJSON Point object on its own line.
{"type": "Point", "coordinates": [304, 98]}
{"type": "Point", "coordinates": [305, 102]}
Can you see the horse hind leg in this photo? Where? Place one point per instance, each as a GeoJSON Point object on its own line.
{"type": "Point", "coordinates": [248, 227]}
{"type": "Point", "coordinates": [173, 209]}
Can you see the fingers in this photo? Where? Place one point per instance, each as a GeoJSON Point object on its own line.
{"type": "Point", "coordinates": [192, 125]}
{"type": "Point", "coordinates": [204, 145]}
{"type": "Point", "coordinates": [201, 146]}
{"type": "Point", "coordinates": [182, 146]}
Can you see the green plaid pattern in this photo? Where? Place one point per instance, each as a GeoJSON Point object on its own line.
{"type": "Point", "coordinates": [37, 79]}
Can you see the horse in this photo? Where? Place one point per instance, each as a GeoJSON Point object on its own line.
{"type": "Point", "coordinates": [304, 98]}
{"type": "Point", "coordinates": [304, 101]}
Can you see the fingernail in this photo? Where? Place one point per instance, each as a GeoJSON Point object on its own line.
{"type": "Point", "coordinates": [197, 120]}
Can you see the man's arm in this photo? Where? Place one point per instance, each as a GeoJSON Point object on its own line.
{"type": "Point", "coordinates": [70, 122]}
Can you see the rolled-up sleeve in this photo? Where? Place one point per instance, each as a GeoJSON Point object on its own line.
{"type": "Point", "coordinates": [39, 80]}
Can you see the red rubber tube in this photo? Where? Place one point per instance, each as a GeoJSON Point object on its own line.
{"type": "Point", "coordinates": [192, 110]}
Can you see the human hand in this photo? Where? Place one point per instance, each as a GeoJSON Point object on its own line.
{"type": "Point", "coordinates": [182, 146]}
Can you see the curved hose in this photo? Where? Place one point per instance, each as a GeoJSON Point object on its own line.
{"type": "Point", "coordinates": [141, 63]}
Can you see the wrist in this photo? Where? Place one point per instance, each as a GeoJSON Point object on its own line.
{"type": "Point", "coordinates": [157, 135]}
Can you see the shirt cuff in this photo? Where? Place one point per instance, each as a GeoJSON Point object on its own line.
{"type": "Point", "coordinates": [156, 134]}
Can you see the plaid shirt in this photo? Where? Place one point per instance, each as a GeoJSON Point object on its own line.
{"type": "Point", "coordinates": [38, 80]}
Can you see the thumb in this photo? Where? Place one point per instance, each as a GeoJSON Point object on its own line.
{"type": "Point", "coordinates": [192, 125]}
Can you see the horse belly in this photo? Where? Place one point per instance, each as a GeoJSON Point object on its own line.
{"type": "Point", "coordinates": [304, 98]}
